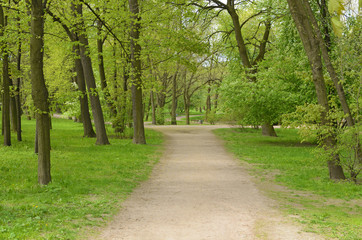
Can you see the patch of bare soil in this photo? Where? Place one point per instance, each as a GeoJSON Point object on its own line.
{"type": "Point", "coordinates": [198, 191]}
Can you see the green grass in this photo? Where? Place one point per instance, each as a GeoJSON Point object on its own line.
{"type": "Point", "coordinates": [88, 182]}
{"type": "Point", "coordinates": [326, 207]}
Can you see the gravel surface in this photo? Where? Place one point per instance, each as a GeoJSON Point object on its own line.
{"type": "Point", "coordinates": [199, 191]}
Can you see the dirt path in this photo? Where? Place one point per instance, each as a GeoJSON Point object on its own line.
{"type": "Point", "coordinates": [198, 191]}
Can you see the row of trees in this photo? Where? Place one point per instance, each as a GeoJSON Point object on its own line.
{"type": "Point", "coordinates": [112, 60]}
{"type": "Point", "coordinates": [130, 61]}
{"type": "Point", "coordinates": [289, 68]}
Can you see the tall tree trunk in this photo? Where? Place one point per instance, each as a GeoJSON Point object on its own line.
{"type": "Point", "coordinates": [299, 12]}
{"type": "Point", "coordinates": [39, 90]}
{"type": "Point", "coordinates": [187, 107]}
{"type": "Point", "coordinates": [102, 72]}
{"type": "Point", "coordinates": [17, 94]}
{"type": "Point", "coordinates": [13, 112]}
{"type": "Point", "coordinates": [216, 100]}
{"type": "Point", "coordinates": [138, 126]}
{"type": "Point", "coordinates": [83, 98]}
{"type": "Point", "coordinates": [208, 100]}
{"type": "Point", "coordinates": [101, 132]}
{"type": "Point", "coordinates": [153, 104]}
{"type": "Point", "coordinates": [174, 100]}
{"type": "Point", "coordinates": [327, 61]}
{"type": "Point", "coordinates": [6, 81]}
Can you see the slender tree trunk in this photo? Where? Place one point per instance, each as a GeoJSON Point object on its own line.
{"type": "Point", "coordinates": [13, 112]}
{"type": "Point", "coordinates": [102, 72]}
{"type": "Point", "coordinates": [83, 98]}
{"type": "Point", "coordinates": [153, 104]}
{"type": "Point", "coordinates": [216, 100]}
{"type": "Point", "coordinates": [102, 138]}
{"type": "Point", "coordinates": [6, 81]}
{"type": "Point", "coordinates": [138, 126]}
{"type": "Point", "coordinates": [208, 100]}
{"type": "Point", "coordinates": [17, 95]}
{"type": "Point", "coordinates": [174, 100]}
{"type": "Point", "coordinates": [39, 90]}
{"type": "Point", "coordinates": [299, 13]}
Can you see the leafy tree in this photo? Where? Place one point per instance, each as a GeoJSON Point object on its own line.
{"type": "Point", "coordinates": [39, 90]}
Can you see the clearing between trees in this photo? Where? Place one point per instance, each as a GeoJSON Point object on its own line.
{"type": "Point", "coordinates": [199, 191]}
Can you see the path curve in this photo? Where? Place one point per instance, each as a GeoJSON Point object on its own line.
{"type": "Point", "coordinates": [198, 191]}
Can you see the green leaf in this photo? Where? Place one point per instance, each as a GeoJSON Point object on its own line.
{"type": "Point", "coordinates": [337, 26]}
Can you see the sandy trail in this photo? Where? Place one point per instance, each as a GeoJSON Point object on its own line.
{"type": "Point", "coordinates": [198, 191]}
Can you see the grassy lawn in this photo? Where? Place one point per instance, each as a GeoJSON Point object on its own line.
{"type": "Point", "coordinates": [88, 182]}
{"type": "Point", "coordinates": [332, 209]}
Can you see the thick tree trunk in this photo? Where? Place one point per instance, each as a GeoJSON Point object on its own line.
{"type": "Point", "coordinates": [39, 91]}
{"type": "Point", "coordinates": [299, 11]}
{"type": "Point", "coordinates": [138, 125]}
{"type": "Point", "coordinates": [243, 53]}
{"type": "Point", "coordinates": [101, 133]}
{"type": "Point", "coordinates": [174, 100]}
{"type": "Point", "coordinates": [6, 82]}
{"type": "Point", "coordinates": [83, 98]}
{"type": "Point", "coordinates": [267, 129]}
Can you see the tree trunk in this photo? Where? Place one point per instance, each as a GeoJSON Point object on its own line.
{"type": "Point", "coordinates": [17, 96]}
{"type": "Point", "coordinates": [299, 13]}
{"type": "Point", "coordinates": [6, 81]}
{"type": "Point", "coordinates": [332, 73]}
{"type": "Point", "coordinates": [208, 100]}
{"type": "Point", "coordinates": [13, 112]}
{"type": "Point", "coordinates": [267, 129]}
{"type": "Point", "coordinates": [174, 100]}
{"type": "Point", "coordinates": [83, 98]}
{"type": "Point", "coordinates": [243, 53]}
{"type": "Point", "coordinates": [101, 133]}
{"type": "Point", "coordinates": [138, 126]}
{"type": "Point", "coordinates": [187, 108]}
{"type": "Point", "coordinates": [153, 108]}
{"type": "Point", "coordinates": [39, 91]}
{"type": "Point", "coordinates": [102, 72]}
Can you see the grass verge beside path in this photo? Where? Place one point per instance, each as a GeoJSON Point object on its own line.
{"type": "Point", "coordinates": [88, 182]}
{"type": "Point", "coordinates": [325, 207]}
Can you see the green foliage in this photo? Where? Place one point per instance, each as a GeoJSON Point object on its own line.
{"type": "Point", "coordinates": [212, 117]}
{"type": "Point", "coordinates": [88, 182]}
{"type": "Point", "coordinates": [160, 116]}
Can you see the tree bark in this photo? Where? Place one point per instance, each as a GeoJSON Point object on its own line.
{"type": "Point", "coordinates": [6, 81]}
{"type": "Point", "coordinates": [267, 129]}
{"type": "Point", "coordinates": [102, 72]}
{"type": "Point", "coordinates": [17, 94]}
{"type": "Point", "coordinates": [83, 98]}
{"type": "Point", "coordinates": [174, 100]}
{"type": "Point", "coordinates": [153, 104]}
{"type": "Point", "coordinates": [311, 45]}
{"type": "Point", "coordinates": [13, 112]}
{"type": "Point", "coordinates": [39, 90]}
{"type": "Point", "coordinates": [138, 125]}
{"type": "Point", "coordinates": [102, 138]}
{"type": "Point", "coordinates": [327, 61]}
